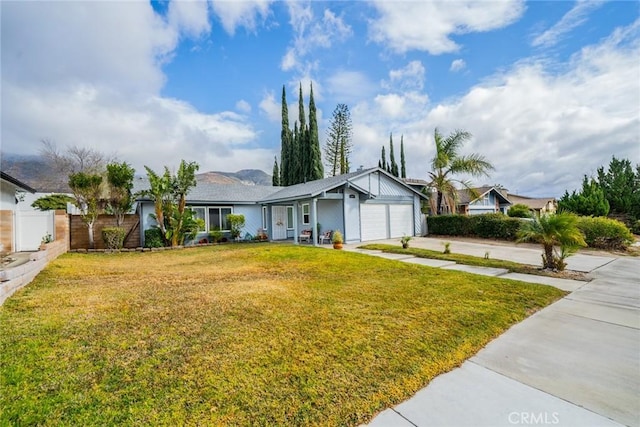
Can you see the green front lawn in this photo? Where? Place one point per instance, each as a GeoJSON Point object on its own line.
{"type": "Point", "coordinates": [240, 334]}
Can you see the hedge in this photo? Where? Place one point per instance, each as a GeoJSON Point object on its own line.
{"type": "Point", "coordinates": [605, 233]}
{"type": "Point", "coordinates": [487, 226]}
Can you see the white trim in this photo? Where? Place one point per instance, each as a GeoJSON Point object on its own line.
{"type": "Point", "coordinates": [308, 214]}
{"type": "Point", "coordinates": [293, 213]}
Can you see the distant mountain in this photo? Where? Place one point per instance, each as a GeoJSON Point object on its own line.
{"type": "Point", "coordinates": [247, 176]}
{"type": "Point", "coordinates": [34, 171]}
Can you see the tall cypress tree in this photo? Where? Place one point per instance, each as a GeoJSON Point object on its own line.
{"type": "Point", "coordinates": [384, 159]}
{"type": "Point", "coordinates": [403, 169]}
{"type": "Point", "coordinates": [316, 170]}
{"type": "Point", "coordinates": [285, 138]}
{"type": "Point", "coordinates": [392, 157]}
{"type": "Point", "coordinates": [275, 179]}
{"type": "Point", "coordinates": [294, 159]}
{"type": "Point", "coordinates": [303, 141]}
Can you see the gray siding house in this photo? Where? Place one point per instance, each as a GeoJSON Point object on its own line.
{"type": "Point", "coordinates": [364, 205]}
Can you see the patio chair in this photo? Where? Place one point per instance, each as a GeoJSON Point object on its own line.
{"type": "Point", "coordinates": [325, 236]}
{"type": "Point", "coordinates": [305, 235]}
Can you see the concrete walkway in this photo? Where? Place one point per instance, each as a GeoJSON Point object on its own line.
{"type": "Point", "coordinates": [574, 363]}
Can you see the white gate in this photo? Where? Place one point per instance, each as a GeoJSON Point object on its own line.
{"type": "Point", "coordinates": [31, 227]}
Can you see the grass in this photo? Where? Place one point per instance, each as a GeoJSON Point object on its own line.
{"type": "Point", "coordinates": [511, 266]}
{"type": "Point", "coordinates": [239, 335]}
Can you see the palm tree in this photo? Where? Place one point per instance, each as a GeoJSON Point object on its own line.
{"type": "Point", "coordinates": [448, 162]}
{"type": "Point", "coordinates": [551, 231]}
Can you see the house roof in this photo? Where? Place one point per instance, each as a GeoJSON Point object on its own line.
{"type": "Point", "coordinates": [465, 197]}
{"type": "Point", "coordinates": [207, 192]}
{"type": "Point", "coordinates": [317, 187]}
{"type": "Point", "coordinates": [16, 182]}
{"type": "Point", "coordinates": [530, 202]}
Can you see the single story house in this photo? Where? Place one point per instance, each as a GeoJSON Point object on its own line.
{"type": "Point", "coordinates": [537, 205]}
{"type": "Point", "coordinates": [10, 194]}
{"type": "Point", "coordinates": [489, 200]}
{"type": "Point", "coordinates": [368, 204]}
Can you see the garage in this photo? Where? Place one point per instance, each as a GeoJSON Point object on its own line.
{"type": "Point", "coordinates": [385, 221]}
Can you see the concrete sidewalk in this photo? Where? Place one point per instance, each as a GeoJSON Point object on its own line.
{"type": "Point", "coordinates": [574, 363]}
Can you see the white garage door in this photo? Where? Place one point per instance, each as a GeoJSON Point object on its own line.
{"type": "Point", "coordinates": [373, 222]}
{"type": "Point", "coordinates": [400, 220]}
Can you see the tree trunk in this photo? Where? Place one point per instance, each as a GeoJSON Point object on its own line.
{"type": "Point", "coordinates": [549, 260]}
{"type": "Point", "coordinates": [92, 244]}
{"type": "Point", "coordinates": [439, 205]}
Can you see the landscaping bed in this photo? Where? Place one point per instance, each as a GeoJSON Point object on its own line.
{"type": "Point", "coordinates": [266, 334]}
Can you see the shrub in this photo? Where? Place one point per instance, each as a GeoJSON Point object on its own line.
{"type": "Point", "coordinates": [605, 233]}
{"type": "Point", "coordinates": [491, 226]}
{"type": "Point", "coordinates": [495, 226]}
{"type": "Point", "coordinates": [153, 238]}
{"type": "Point", "coordinates": [236, 223]}
{"type": "Point", "coordinates": [635, 227]}
{"type": "Point", "coordinates": [519, 211]}
{"type": "Point", "coordinates": [216, 236]}
{"type": "Point", "coordinates": [113, 237]}
{"type": "Point", "coordinates": [450, 225]}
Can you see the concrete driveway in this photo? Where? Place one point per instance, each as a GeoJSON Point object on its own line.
{"type": "Point", "coordinates": [574, 363]}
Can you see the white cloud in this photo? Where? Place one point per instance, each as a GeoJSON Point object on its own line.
{"type": "Point", "coordinates": [192, 17]}
{"type": "Point", "coordinates": [541, 128]}
{"type": "Point", "coordinates": [350, 86]}
{"type": "Point", "coordinates": [243, 106]}
{"type": "Point", "coordinates": [428, 26]}
{"type": "Point", "coordinates": [311, 33]}
{"type": "Point", "coordinates": [246, 13]}
{"type": "Point", "coordinates": [270, 107]}
{"type": "Point", "coordinates": [410, 77]}
{"type": "Point", "coordinates": [91, 75]}
{"type": "Point", "coordinates": [572, 19]}
{"type": "Point", "coordinates": [457, 65]}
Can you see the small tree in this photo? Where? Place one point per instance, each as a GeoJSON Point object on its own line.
{"type": "Point", "coordinates": [52, 202]}
{"type": "Point", "coordinates": [87, 191]}
{"type": "Point", "coordinates": [551, 231]}
{"type": "Point", "coordinates": [161, 192]}
{"type": "Point", "coordinates": [403, 168]}
{"type": "Point", "coordinates": [184, 181]}
{"type": "Point", "coordinates": [275, 179]}
{"type": "Point", "coordinates": [236, 223]}
{"type": "Point", "coordinates": [120, 179]}
{"type": "Point", "coordinates": [519, 211]}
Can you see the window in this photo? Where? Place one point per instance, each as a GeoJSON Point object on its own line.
{"type": "Point", "coordinates": [484, 201]}
{"type": "Point", "coordinates": [289, 217]}
{"type": "Point", "coordinates": [218, 218]}
{"type": "Point", "coordinates": [199, 213]}
{"type": "Point", "coordinates": [264, 218]}
{"type": "Point", "coordinates": [305, 214]}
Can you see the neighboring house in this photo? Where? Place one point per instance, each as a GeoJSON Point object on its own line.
{"type": "Point", "coordinates": [364, 205]}
{"type": "Point", "coordinates": [490, 200]}
{"type": "Point", "coordinates": [537, 205]}
{"type": "Point", "coordinates": [11, 191]}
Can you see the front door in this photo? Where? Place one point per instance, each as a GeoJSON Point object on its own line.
{"type": "Point", "coordinates": [279, 222]}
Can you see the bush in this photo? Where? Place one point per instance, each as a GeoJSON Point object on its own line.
{"type": "Point", "coordinates": [236, 223]}
{"type": "Point", "coordinates": [495, 226]}
{"type": "Point", "coordinates": [519, 211]}
{"type": "Point", "coordinates": [216, 236]}
{"type": "Point", "coordinates": [635, 227]}
{"type": "Point", "coordinates": [605, 233]}
{"type": "Point", "coordinates": [113, 237]}
{"type": "Point", "coordinates": [153, 238]}
{"type": "Point", "coordinates": [450, 225]}
{"type": "Point", "coordinates": [488, 226]}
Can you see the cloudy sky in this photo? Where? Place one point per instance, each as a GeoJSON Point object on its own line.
{"type": "Point", "coordinates": [549, 90]}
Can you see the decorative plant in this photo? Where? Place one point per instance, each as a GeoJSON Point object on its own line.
{"type": "Point", "coordinates": [46, 239]}
{"type": "Point", "coordinates": [236, 223]}
{"type": "Point", "coordinates": [337, 239]}
{"type": "Point", "coordinates": [447, 247]}
{"type": "Point", "coordinates": [216, 236]}
{"type": "Point", "coordinates": [405, 241]}
{"type": "Point", "coordinates": [113, 237]}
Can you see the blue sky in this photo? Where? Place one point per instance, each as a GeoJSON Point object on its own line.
{"type": "Point", "coordinates": [550, 90]}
